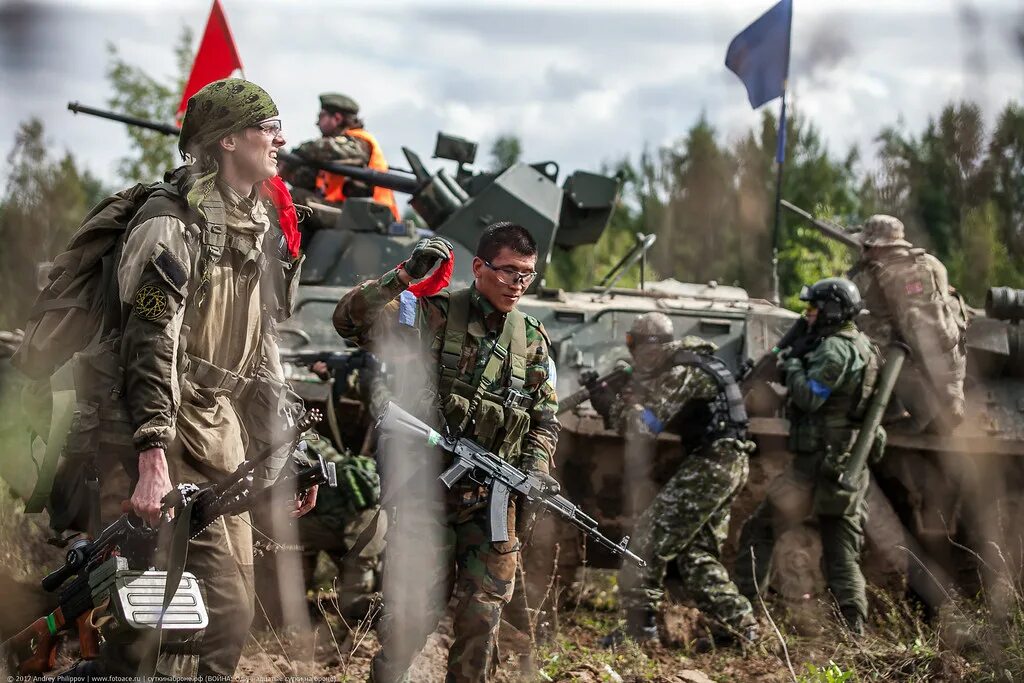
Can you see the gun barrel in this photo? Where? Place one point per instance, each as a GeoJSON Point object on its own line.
{"type": "Point", "coordinates": [164, 128]}
{"type": "Point", "coordinates": [827, 229]}
{"type": "Point", "coordinates": [388, 179]}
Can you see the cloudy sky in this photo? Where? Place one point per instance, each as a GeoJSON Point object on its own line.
{"type": "Point", "coordinates": [580, 82]}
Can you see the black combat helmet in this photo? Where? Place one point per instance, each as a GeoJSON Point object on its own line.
{"type": "Point", "coordinates": [837, 300]}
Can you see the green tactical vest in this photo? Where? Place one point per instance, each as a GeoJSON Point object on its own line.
{"type": "Point", "coordinates": [497, 420]}
{"type": "Point", "coordinates": [835, 422]}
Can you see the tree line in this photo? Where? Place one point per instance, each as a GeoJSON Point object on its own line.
{"type": "Point", "coordinates": [957, 185]}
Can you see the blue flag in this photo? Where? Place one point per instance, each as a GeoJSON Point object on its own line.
{"type": "Point", "coordinates": [759, 54]}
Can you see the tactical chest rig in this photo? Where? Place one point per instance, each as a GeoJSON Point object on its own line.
{"type": "Point", "coordinates": [498, 419]}
{"type": "Point", "coordinates": [846, 409]}
{"type": "Point", "coordinates": [725, 415]}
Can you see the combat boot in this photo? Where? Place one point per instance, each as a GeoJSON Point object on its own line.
{"type": "Point", "coordinates": [745, 638]}
{"type": "Point", "coordinates": [854, 621]}
{"type": "Point", "coordinates": [641, 627]}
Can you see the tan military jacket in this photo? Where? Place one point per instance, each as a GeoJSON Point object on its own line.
{"type": "Point", "coordinates": [167, 337]}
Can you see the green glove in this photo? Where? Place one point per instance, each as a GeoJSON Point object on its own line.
{"type": "Point", "coordinates": [791, 365]}
{"type": "Point", "coordinates": [358, 478]}
{"type": "Point", "coordinates": [427, 254]}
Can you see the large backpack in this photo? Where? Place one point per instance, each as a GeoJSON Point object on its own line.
{"type": "Point", "coordinates": [71, 350]}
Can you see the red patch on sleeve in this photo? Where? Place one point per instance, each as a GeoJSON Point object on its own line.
{"type": "Point", "coordinates": [915, 287]}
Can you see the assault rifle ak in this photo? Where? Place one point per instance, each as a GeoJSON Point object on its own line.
{"type": "Point", "coordinates": [501, 478]}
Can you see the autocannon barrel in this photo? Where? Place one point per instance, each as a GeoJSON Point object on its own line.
{"type": "Point", "coordinates": [393, 181]}
{"type": "Point", "coordinates": [1005, 303]}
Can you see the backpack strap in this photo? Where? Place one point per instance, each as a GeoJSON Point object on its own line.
{"type": "Point", "coordinates": [213, 242]}
{"type": "Point", "coordinates": [62, 383]}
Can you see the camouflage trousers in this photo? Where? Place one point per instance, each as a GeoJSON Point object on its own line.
{"type": "Point", "coordinates": [448, 545]}
{"type": "Point", "coordinates": [688, 522]}
{"type": "Point", "coordinates": [796, 495]}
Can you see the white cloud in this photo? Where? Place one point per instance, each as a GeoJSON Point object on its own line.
{"type": "Point", "coordinates": [580, 82]}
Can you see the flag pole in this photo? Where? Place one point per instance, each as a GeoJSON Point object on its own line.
{"type": "Point", "coordinates": [780, 162]}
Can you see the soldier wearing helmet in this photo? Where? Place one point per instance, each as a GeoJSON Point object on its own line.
{"type": "Point", "coordinates": [829, 388]}
{"type": "Point", "coordinates": [680, 387]}
{"type": "Point", "coordinates": [908, 298]}
{"type": "Point", "coordinates": [344, 140]}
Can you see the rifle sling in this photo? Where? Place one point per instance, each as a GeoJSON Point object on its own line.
{"type": "Point", "coordinates": [175, 568]}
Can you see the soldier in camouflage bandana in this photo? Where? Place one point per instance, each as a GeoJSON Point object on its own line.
{"type": "Point", "coordinates": [677, 387]}
{"type": "Point", "coordinates": [485, 385]}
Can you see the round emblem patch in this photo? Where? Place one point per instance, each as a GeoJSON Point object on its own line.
{"type": "Point", "coordinates": [150, 302]}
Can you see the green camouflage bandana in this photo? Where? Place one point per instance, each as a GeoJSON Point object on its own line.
{"type": "Point", "coordinates": [219, 109]}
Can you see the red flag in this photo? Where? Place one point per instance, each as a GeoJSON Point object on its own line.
{"type": "Point", "coordinates": [217, 57]}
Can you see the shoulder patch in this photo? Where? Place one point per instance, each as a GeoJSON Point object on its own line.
{"type": "Point", "coordinates": [407, 305]}
{"type": "Point", "coordinates": [150, 303]}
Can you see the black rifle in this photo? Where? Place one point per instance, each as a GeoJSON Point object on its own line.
{"type": "Point", "coordinates": [33, 651]}
{"type": "Point", "coordinates": [796, 343]}
{"type": "Point", "coordinates": [612, 381]}
{"type": "Point", "coordinates": [501, 479]}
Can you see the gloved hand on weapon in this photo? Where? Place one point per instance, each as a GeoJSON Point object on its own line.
{"type": "Point", "coordinates": [601, 398]}
{"type": "Point", "coordinates": [427, 254]}
{"type": "Point", "coordinates": [549, 483]}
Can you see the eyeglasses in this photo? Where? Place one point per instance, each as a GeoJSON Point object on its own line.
{"type": "Point", "coordinates": [271, 128]}
{"type": "Point", "coordinates": [512, 277]}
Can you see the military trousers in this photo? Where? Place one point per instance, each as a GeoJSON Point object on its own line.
{"type": "Point", "coordinates": [687, 523]}
{"type": "Point", "coordinates": [436, 550]}
{"type": "Point", "coordinates": [798, 495]}
{"type": "Point", "coordinates": [221, 559]}
{"type": "Point", "coordinates": [335, 534]}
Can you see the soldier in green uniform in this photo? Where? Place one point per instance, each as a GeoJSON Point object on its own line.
{"type": "Point", "coordinates": [829, 389]}
{"type": "Point", "coordinates": [680, 387]}
{"type": "Point", "coordinates": [203, 279]}
{"type": "Point", "coordinates": [489, 377]}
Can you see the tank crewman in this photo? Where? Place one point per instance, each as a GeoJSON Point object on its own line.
{"type": "Point", "coordinates": [203, 279]}
{"type": "Point", "coordinates": [908, 297]}
{"type": "Point", "coordinates": [343, 140]}
{"type": "Point", "coordinates": [490, 378]}
{"type": "Point", "coordinates": [829, 389]}
{"type": "Point", "coordinates": [680, 387]}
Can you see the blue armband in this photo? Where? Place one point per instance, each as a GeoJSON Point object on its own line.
{"type": "Point", "coordinates": [819, 389]}
{"type": "Point", "coordinates": [652, 422]}
{"type": "Point", "coordinates": [407, 304]}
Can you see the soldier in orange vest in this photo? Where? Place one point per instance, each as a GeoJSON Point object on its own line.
{"type": "Point", "coordinates": [345, 141]}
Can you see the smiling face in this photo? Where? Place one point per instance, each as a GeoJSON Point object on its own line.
{"type": "Point", "coordinates": [490, 282]}
{"type": "Point", "coordinates": [251, 153]}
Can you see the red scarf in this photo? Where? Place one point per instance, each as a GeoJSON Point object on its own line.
{"type": "Point", "coordinates": [437, 280]}
{"type": "Point", "coordinates": [277, 192]}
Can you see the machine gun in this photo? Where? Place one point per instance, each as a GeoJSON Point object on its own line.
{"type": "Point", "coordinates": [105, 583]}
{"type": "Point", "coordinates": [501, 478]}
{"type": "Point", "coordinates": [612, 381]}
